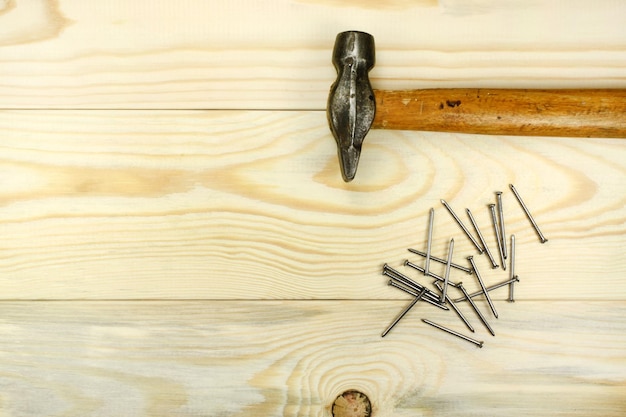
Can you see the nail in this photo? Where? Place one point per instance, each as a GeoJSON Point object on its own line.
{"type": "Point", "coordinates": [430, 240]}
{"type": "Point", "coordinates": [482, 285]}
{"type": "Point", "coordinates": [413, 286]}
{"type": "Point", "coordinates": [480, 315]}
{"type": "Point", "coordinates": [414, 293]}
{"type": "Point", "coordinates": [447, 272]}
{"type": "Point", "coordinates": [456, 309]}
{"type": "Point", "coordinates": [430, 274]}
{"type": "Point", "coordinates": [501, 222]}
{"type": "Point", "coordinates": [482, 238]}
{"type": "Point", "coordinates": [403, 312]}
{"type": "Point", "coordinates": [408, 282]}
{"type": "Point", "coordinates": [494, 219]}
{"type": "Point", "coordinates": [542, 238]}
{"type": "Point", "coordinates": [452, 332]}
{"type": "Point", "coordinates": [442, 261]}
{"type": "Point", "coordinates": [460, 223]}
{"type": "Point", "coordinates": [511, 298]}
{"type": "Point", "coordinates": [493, 287]}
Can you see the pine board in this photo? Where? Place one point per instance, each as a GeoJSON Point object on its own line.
{"type": "Point", "coordinates": [275, 54]}
{"type": "Point", "coordinates": [251, 205]}
{"type": "Point", "coordinates": [177, 240]}
{"type": "Point", "coordinates": [293, 358]}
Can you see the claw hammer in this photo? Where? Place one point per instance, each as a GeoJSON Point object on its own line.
{"type": "Point", "coordinates": [354, 107]}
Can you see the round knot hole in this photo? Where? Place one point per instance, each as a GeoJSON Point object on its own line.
{"type": "Point", "coordinates": [352, 403]}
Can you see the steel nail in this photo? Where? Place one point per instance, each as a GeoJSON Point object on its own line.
{"type": "Point", "coordinates": [398, 276]}
{"type": "Point", "coordinates": [501, 222]}
{"type": "Point", "coordinates": [542, 238]}
{"type": "Point", "coordinates": [480, 315]}
{"type": "Point", "coordinates": [496, 228]}
{"type": "Point", "coordinates": [482, 238]}
{"type": "Point", "coordinates": [452, 332]}
{"type": "Point", "coordinates": [413, 286]}
{"type": "Point", "coordinates": [511, 286]}
{"type": "Point", "coordinates": [460, 223]}
{"type": "Point", "coordinates": [404, 311]}
{"type": "Point", "coordinates": [430, 274]}
{"type": "Point", "coordinates": [441, 261]}
{"type": "Point", "coordinates": [447, 272]}
{"type": "Point", "coordinates": [482, 285]}
{"type": "Point", "coordinates": [414, 293]}
{"type": "Point", "coordinates": [491, 288]}
{"type": "Point", "coordinates": [456, 309]}
{"type": "Point", "coordinates": [430, 240]}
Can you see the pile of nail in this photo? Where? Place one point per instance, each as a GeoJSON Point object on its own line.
{"type": "Point", "coordinates": [441, 298]}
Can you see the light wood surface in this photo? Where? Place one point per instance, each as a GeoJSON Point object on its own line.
{"type": "Point", "coordinates": [241, 358]}
{"type": "Point", "coordinates": [177, 239]}
{"type": "Point", "coordinates": [276, 55]}
{"type": "Point", "coordinates": [251, 205]}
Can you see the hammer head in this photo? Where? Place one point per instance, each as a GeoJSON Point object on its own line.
{"type": "Point", "coordinates": [351, 104]}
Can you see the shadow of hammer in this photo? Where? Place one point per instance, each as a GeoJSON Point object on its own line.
{"type": "Point", "coordinates": [354, 107]}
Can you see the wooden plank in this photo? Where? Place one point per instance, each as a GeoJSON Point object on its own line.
{"type": "Point", "coordinates": [238, 209]}
{"type": "Point", "coordinates": [251, 205]}
{"type": "Point", "coordinates": [276, 54]}
{"type": "Point", "coordinates": [295, 357]}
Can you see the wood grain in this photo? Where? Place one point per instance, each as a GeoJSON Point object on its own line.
{"type": "Point", "coordinates": [200, 261]}
{"type": "Point", "coordinates": [276, 54]}
{"type": "Point", "coordinates": [295, 357]}
{"type": "Point", "coordinates": [251, 205]}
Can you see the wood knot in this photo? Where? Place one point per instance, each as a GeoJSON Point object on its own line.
{"type": "Point", "coordinates": [352, 403]}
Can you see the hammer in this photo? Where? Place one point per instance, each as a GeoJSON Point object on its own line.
{"type": "Point", "coordinates": [354, 107]}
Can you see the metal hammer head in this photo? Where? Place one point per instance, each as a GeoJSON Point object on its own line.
{"type": "Point", "coordinates": [351, 104]}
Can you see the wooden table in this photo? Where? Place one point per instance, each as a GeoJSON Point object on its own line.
{"type": "Point", "coordinates": [177, 239]}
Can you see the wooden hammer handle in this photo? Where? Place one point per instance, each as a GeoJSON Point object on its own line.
{"type": "Point", "coordinates": [578, 113]}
